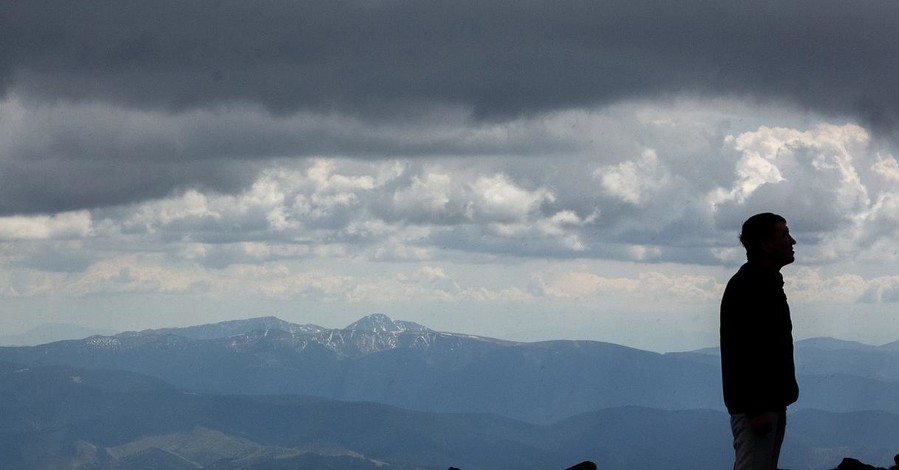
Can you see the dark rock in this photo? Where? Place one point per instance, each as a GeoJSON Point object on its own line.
{"type": "Point", "coordinates": [585, 465]}
{"type": "Point", "coordinates": [853, 464]}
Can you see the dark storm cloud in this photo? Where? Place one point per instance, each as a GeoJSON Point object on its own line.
{"type": "Point", "coordinates": [122, 101]}
{"type": "Point", "coordinates": [497, 58]}
{"type": "Point", "coordinates": [61, 184]}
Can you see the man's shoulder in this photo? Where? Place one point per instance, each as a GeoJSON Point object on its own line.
{"type": "Point", "coordinates": [750, 273]}
{"type": "Point", "coordinates": [747, 281]}
{"type": "Point", "coordinates": [743, 275]}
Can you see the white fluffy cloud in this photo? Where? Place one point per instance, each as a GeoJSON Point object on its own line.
{"type": "Point", "coordinates": [638, 181]}
{"type": "Point", "coordinates": [585, 285]}
{"type": "Point", "coordinates": [836, 189]}
{"type": "Point", "coordinates": [58, 226]}
{"type": "Point", "coordinates": [816, 169]}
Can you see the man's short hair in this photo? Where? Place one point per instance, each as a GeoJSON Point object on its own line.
{"type": "Point", "coordinates": [758, 230]}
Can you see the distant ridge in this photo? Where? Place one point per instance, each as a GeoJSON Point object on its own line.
{"type": "Point", "coordinates": [833, 344]}
{"type": "Point", "coordinates": [374, 323]}
{"type": "Point", "coordinates": [408, 365]}
{"type": "Point", "coordinates": [372, 333]}
{"type": "Point", "coordinates": [51, 332]}
{"type": "Point", "coordinates": [227, 329]}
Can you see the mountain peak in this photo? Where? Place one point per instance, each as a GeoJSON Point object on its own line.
{"type": "Point", "coordinates": [380, 323]}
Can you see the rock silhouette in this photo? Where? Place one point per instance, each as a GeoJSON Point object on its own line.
{"type": "Point", "coordinates": [585, 465]}
{"type": "Point", "coordinates": [854, 464]}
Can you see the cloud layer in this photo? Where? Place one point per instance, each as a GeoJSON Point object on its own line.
{"type": "Point", "coordinates": [497, 58]}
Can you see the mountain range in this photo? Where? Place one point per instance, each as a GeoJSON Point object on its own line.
{"type": "Point", "coordinates": [388, 394]}
{"type": "Point", "coordinates": [51, 332]}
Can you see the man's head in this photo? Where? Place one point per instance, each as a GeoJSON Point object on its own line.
{"type": "Point", "coordinates": [767, 240]}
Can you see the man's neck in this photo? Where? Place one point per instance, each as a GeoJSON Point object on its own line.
{"type": "Point", "coordinates": [766, 264]}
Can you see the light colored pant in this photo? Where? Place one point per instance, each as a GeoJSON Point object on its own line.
{"type": "Point", "coordinates": [754, 451]}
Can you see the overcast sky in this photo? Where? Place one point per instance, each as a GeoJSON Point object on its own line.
{"type": "Point", "coordinates": [527, 170]}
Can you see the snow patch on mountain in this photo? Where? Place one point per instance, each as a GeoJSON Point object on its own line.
{"type": "Point", "coordinates": [381, 323]}
{"type": "Point", "coordinates": [371, 334]}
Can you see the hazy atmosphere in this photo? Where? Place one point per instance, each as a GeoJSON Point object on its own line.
{"type": "Point", "coordinates": [518, 169]}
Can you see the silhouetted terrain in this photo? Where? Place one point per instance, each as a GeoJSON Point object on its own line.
{"type": "Point", "coordinates": [855, 464]}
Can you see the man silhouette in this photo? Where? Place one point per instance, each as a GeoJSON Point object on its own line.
{"type": "Point", "coordinates": [757, 368]}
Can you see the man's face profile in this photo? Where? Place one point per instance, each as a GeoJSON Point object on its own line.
{"type": "Point", "coordinates": [780, 249]}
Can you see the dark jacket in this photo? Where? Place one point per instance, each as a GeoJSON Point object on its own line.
{"type": "Point", "coordinates": [757, 368]}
